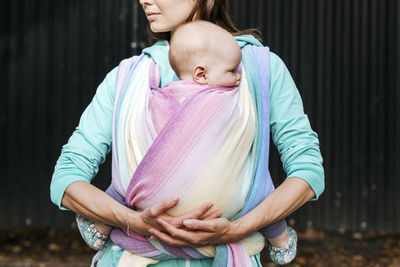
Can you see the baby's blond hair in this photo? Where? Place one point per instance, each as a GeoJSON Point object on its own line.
{"type": "Point", "coordinates": [192, 42]}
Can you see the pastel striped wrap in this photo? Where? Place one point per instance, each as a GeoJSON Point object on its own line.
{"type": "Point", "coordinates": [196, 142]}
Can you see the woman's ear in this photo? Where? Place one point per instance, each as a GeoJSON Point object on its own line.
{"type": "Point", "coordinates": [200, 74]}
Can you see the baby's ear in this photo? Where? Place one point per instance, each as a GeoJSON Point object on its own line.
{"type": "Point", "coordinates": [199, 74]}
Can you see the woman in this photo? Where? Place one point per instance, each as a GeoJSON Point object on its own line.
{"type": "Point", "coordinates": [88, 146]}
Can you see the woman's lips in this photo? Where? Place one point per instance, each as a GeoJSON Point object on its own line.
{"type": "Point", "coordinates": [151, 15]}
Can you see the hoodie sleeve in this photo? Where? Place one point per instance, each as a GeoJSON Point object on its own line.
{"type": "Point", "coordinates": [297, 143]}
{"type": "Point", "coordinates": [89, 144]}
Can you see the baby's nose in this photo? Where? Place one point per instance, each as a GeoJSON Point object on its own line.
{"type": "Point", "coordinates": [238, 79]}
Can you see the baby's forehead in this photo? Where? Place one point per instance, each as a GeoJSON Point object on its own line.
{"type": "Point", "coordinates": [204, 35]}
{"type": "Point", "coordinates": [205, 42]}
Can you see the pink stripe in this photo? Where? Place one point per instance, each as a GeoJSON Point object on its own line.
{"type": "Point", "coordinates": [240, 256]}
{"type": "Point", "coordinates": [200, 156]}
{"type": "Point", "coordinates": [157, 167]}
{"type": "Point", "coordinates": [229, 262]}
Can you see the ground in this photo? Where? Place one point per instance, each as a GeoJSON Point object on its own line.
{"type": "Point", "coordinates": [47, 248]}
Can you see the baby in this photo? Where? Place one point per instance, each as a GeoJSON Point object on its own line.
{"type": "Point", "coordinates": [207, 54]}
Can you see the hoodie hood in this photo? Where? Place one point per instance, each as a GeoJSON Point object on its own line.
{"type": "Point", "coordinates": [159, 52]}
{"type": "Point", "coordinates": [244, 40]}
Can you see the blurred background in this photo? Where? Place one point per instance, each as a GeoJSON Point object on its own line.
{"type": "Point", "coordinates": [344, 56]}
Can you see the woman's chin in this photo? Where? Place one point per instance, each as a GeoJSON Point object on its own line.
{"type": "Point", "coordinates": [158, 29]}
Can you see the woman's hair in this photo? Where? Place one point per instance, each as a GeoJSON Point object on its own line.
{"type": "Point", "coordinates": [215, 11]}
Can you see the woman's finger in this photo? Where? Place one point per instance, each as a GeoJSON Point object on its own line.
{"type": "Point", "coordinates": [158, 235]}
{"type": "Point", "coordinates": [196, 213]}
{"type": "Point", "coordinates": [190, 237]}
{"type": "Point", "coordinates": [213, 215]}
{"type": "Point", "coordinates": [211, 226]}
{"type": "Point", "coordinates": [162, 207]}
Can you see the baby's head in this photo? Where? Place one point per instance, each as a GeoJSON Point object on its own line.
{"type": "Point", "coordinates": [206, 53]}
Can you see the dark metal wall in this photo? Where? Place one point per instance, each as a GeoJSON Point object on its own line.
{"type": "Point", "coordinates": [343, 54]}
{"type": "Point", "coordinates": [54, 54]}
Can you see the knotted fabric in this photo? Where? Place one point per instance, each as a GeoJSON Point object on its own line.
{"type": "Point", "coordinates": [200, 143]}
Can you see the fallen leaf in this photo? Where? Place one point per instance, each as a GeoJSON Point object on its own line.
{"type": "Point", "coordinates": [301, 260]}
{"type": "Point", "coordinates": [357, 235]}
{"type": "Point", "coordinates": [16, 249]}
{"type": "Point", "coordinates": [357, 258]}
{"type": "Point", "coordinates": [54, 247]}
{"type": "Point", "coordinates": [312, 234]}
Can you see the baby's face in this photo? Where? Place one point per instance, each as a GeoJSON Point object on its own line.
{"type": "Point", "coordinates": [222, 69]}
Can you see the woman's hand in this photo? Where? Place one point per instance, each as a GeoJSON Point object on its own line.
{"type": "Point", "coordinates": [198, 233]}
{"type": "Point", "coordinates": [150, 217]}
{"type": "Point", "coordinates": [286, 198]}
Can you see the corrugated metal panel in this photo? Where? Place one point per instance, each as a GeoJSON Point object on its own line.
{"type": "Point", "coordinates": [344, 56]}
{"type": "Point", "coordinates": [56, 53]}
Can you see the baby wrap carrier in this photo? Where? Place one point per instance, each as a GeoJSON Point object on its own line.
{"type": "Point", "coordinates": [201, 143]}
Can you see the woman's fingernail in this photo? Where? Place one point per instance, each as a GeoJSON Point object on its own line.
{"type": "Point", "coordinates": [187, 223]}
{"type": "Point", "coordinates": [175, 199]}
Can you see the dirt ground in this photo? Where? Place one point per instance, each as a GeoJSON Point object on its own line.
{"type": "Point", "coordinates": [48, 248]}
